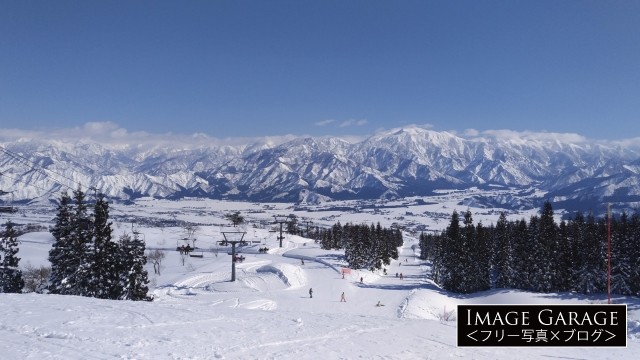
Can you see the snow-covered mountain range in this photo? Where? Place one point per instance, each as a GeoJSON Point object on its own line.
{"type": "Point", "coordinates": [403, 162]}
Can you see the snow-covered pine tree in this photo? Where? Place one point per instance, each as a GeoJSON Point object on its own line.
{"type": "Point", "coordinates": [482, 249]}
{"type": "Point", "coordinates": [576, 229]}
{"type": "Point", "coordinates": [10, 274]}
{"type": "Point", "coordinates": [536, 256]}
{"type": "Point", "coordinates": [466, 267]}
{"type": "Point", "coordinates": [133, 276]}
{"type": "Point", "coordinates": [547, 254]}
{"type": "Point", "coordinates": [61, 263]}
{"type": "Point", "coordinates": [389, 240]}
{"type": "Point", "coordinates": [103, 255]}
{"type": "Point", "coordinates": [427, 243]}
{"type": "Point", "coordinates": [451, 266]}
{"type": "Point", "coordinates": [621, 250]}
{"type": "Point", "coordinates": [377, 248]}
{"type": "Point", "coordinates": [377, 253]}
{"type": "Point", "coordinates": [437, 257]}
{"type": "Point", "coordinates": [503, 253]}
{"type": "Point", "coordinates": [521, 255]}
{"type": "Point", "coordinates": [565, 259]}
{"type": "Point", "coordinates": [591, 273]}
{"type": "Point", "coordinates": [77, 282]}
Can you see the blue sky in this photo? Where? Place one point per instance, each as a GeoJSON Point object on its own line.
{"type": "Point", "coordinates": [256, 68]}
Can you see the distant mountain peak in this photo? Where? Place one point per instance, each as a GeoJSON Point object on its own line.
{"type": "Point", "coordinates": [408, 161]}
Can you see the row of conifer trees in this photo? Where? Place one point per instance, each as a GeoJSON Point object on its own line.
{"type": "Point", "coordinates": [365, 247]}
{"type": "Point", "coordinates": [85, 259]}
{"type": "Point", "coordinates": [539, 255]}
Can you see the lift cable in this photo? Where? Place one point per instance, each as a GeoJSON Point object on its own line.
{"type": "Point", "coordinates": [36, 167]}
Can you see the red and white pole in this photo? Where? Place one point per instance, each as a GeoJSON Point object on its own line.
{"type": "Point", "coordinates": [609, 252]}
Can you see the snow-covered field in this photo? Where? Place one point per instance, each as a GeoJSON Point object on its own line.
{"type": "Point", "coordinates": [267, 312]}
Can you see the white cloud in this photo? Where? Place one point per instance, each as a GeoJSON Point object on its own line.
{"type": "Point", "coordinates": [541, 136]}
{"type": "Point", "coordinates": [353, 122]}
{"type": "Point", "coordinates": [471, 132]}
{"type": "Point", "coordinates": [324, 122]}
{"type": "Point", "coordinates": [110, 134]}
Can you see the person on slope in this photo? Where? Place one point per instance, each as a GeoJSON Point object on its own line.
{"type": "Point", "coordinates": [310, 293]}
{"type": "Point", "coordinates": [342, 298]}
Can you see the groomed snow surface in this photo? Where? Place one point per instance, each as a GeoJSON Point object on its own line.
{"type": "Point", "coordinates": [198, 313]}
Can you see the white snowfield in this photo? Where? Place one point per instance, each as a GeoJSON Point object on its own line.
{"type": "Point", "coordinates": [267, 313]}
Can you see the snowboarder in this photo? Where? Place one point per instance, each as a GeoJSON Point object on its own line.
{"type": "Point", "coordinates": [310, 293]}
{"type": "Point", "coordinates": [342, 298]}
{"type": "Point", "coordinates": [379, 304]}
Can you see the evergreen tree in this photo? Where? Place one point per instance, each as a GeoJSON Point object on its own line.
{"type": "Point", "coordinates": [621, 250]}
{"type": "Point", "coordinates": [591, 275]}
{"type": "Point", "coordinates": [103, 255]}
{"type": "Point", "coordinates": [337, 237]}
{"type": "Point", "coordinates": [61, 264]}
{"type": "Point", "coordinates": [547, 250]}
{"type": "Point", "coordinates": [437, 256]}
{"type": "Point", "coordinates": [565, 259]}
{"type": "Point", "coordinates": [503, 254]}
{"type": "Point", "coordinates": [467, 266]}
{"type": "Point", "coordinates": [133, 276]}
{"type": "Point", "coordinates": [77, 282]}
{"type": "Point", "coordinates": [450, 265]}
{"type": "Point", "coordinates": [576, 235]}
{"type": "Point", "coordinates": [522, 258]}
{"type": "Point", "coordinates": [10, 275]}
{"type": "Point", "coordinates": [482, 249]}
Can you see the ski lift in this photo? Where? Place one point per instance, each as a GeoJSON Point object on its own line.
{"type": "Point", "coordinates": [10, 208]}
{"type": "Point", "coordinates": [192, 254]}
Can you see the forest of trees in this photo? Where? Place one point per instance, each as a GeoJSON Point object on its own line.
{"type": "Point", "coordinates": [86, 261]}
{"type": "Point", "coordinates": [365, 247]}
{"type": "Point", "coordinates": [539, 255]}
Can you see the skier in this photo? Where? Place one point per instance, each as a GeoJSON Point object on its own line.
{"type": "Point", "coordinates": [361, 280]}
{"type": "Point", "coordinates": [302, 261]}
{"type": "Point", "coordinates": [342, 298]}
{"type": "Point", "coordinates": [401, 277]}
{"type": "Point", "coordinates": [310, 293]}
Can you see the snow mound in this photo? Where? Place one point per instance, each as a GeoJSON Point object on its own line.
{"type": "Point", "coordinates": [291, 275]}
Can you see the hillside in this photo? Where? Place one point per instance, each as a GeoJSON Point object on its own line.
{"type": "Point", "coordinates": [267, 313]}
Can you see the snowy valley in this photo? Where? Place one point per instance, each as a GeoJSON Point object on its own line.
{"type": "Point", "coordinates": [267, 313]}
